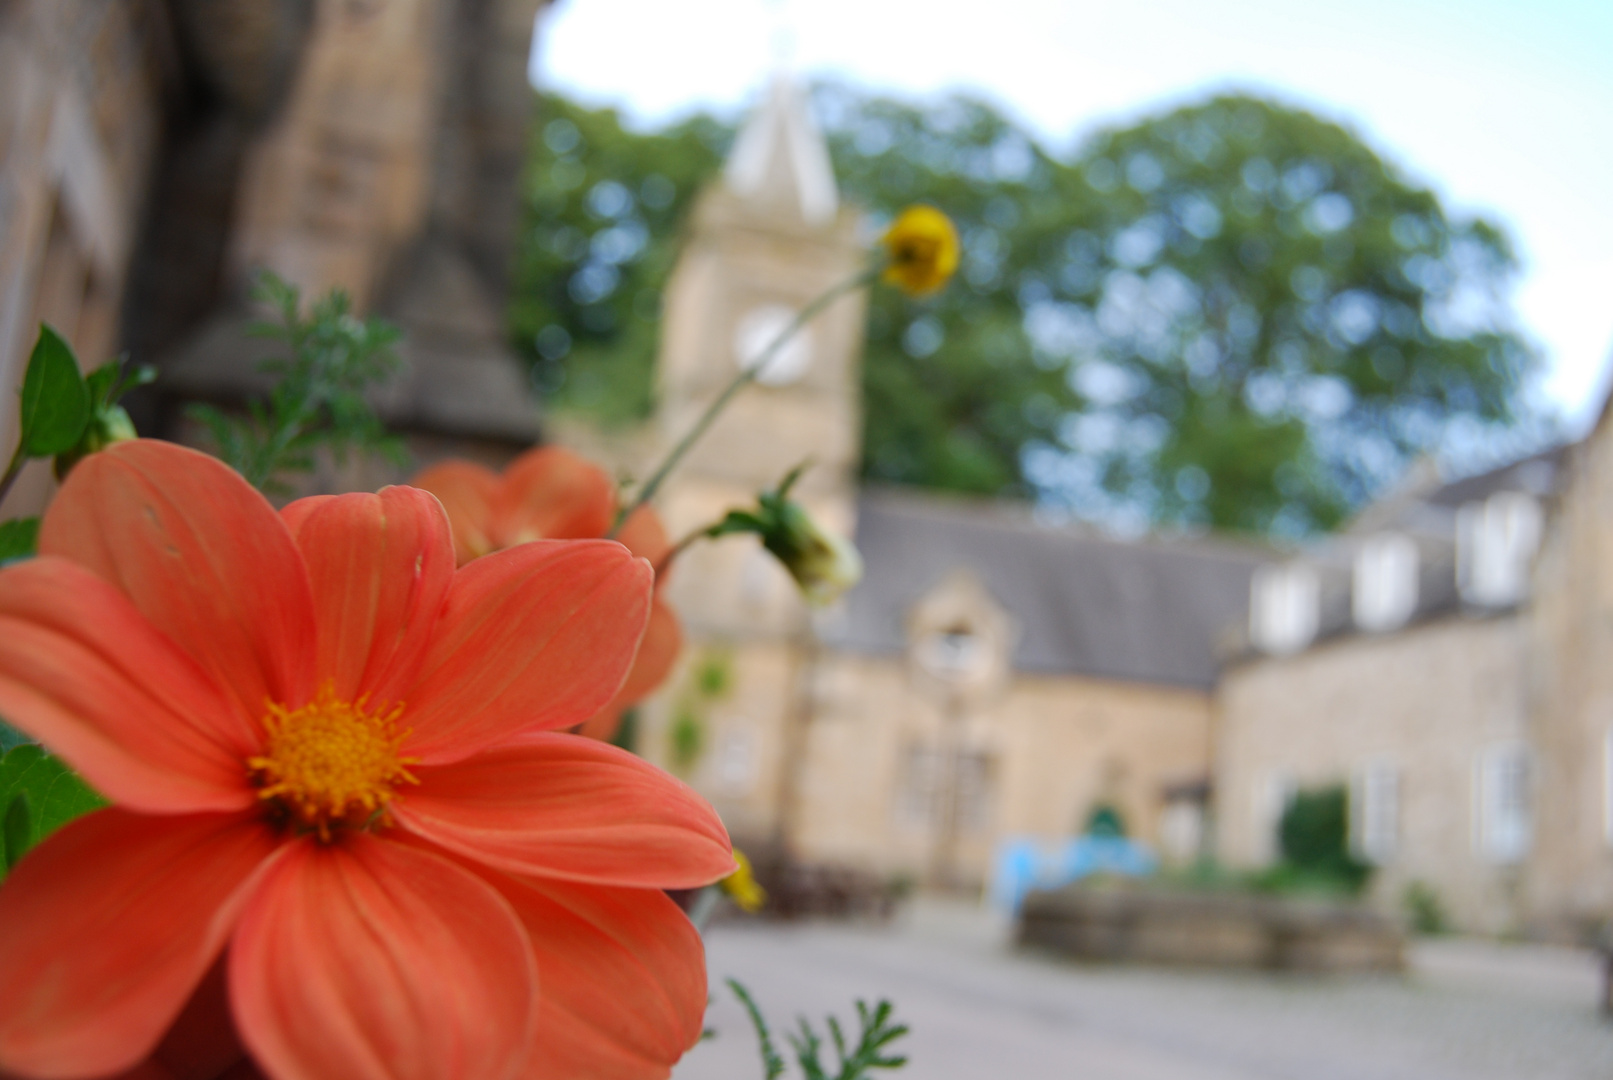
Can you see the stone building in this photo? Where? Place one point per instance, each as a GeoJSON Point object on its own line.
{"type": "Point", "coordinates": [1441, 658]}
{"type": "Point", "coordinates": [154, 153]}
{"type": "Point", "coordinates": [1568, 869]}
{"type": "Point", "coordinates": [991, 677]}
{"type": "Point", "coordinates": [995, 677]}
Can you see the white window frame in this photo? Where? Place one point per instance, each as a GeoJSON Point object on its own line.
{"type": "Point", "coordinates": [954, 653]}
{"type": "Point", "coordinates": [1496, 541]}
{"type": "Point", "coordinates": [1504, 803]}
{"type": "Point", "coordinates": [918, 795]}
{"type": "Point", "coordinates": [1383, 594]}
{"type": "Point", "coordinates": [1375, 812]}
{"type": "Point", "coordinates": [1272, 797]}
{"type": "Point", "coordinates": [1284, 607]}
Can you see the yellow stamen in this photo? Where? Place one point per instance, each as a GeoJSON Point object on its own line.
{"type": "Point", "coordinates": [331, 762]}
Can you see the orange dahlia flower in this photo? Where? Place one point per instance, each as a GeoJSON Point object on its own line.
{"type": "Point", "coordinates": [550, 493]}
{"type": "Point", "coordinates": [333, 762]}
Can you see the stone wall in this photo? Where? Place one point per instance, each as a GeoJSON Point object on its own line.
{"type": "Point", "coordinates": [863, 774]}
{"type": "Point", "coordinates": [83, 90]}
{"type": "Point", "coordinates": [1209, 929]}
{"type": "Point", "coordinates": [1426, 702]}
{"type": "Point", "coordinates": [391, 173]}
{"type": "Point", "coordinates": [1570, 872]}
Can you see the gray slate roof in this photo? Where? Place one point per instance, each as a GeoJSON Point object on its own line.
{"type": "Point", "coordinates": [1148, 610]}
{"type": "Point", "coordinates": [1539, 474]}
{"type": "Point", "coordinates": [1429, 516]}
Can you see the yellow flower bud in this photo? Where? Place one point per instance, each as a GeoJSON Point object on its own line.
{"type": "Point", "coordinates": [823, 563]}
{"type": "Point", "coordinates": [741, 886]}
{"type": "Point", "coordinates": [922, 247]}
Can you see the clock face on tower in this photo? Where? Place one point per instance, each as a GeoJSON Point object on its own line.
{"type": "Point", "coordinates": [760, 327]}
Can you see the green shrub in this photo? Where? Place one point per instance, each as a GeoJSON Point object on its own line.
{"type": "Point", "coordinates": [1314, 837]}
{"type": "Point", "coordinates": [1423, 908]}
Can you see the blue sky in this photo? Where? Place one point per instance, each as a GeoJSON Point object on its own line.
{"type": "Point", "coordinates": [1502, 106]}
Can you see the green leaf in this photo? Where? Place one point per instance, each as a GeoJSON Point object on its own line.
{"type": "Point", "coordinates": [102, 383]}
{"type": "Point", "coordinates": [16, 832]}
{"type": "Point", "coordinates": [55, 399]}
{"type": "Point", "coordinates": [19, 539]}
{"type": "Point", "coordinates": [54, 792]}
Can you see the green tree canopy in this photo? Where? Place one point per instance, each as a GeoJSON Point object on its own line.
{"type": "Point", "coordinates": [604, 206]}
{"type": "Point", "coordinates": [1234, 314]}
{"type": "Point", "coordinates": [1267, 320]}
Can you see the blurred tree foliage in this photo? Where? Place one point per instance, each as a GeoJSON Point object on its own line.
{"type": "Point", "coordinates": [1267, 320]}
{"type": "Point", "coordinates": [604, 206]}
{"type": "Point", "coordinates": [1233, 315]}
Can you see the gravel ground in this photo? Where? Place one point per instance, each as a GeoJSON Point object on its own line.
{"type": "Point", "coordinates": [1467, 1010]}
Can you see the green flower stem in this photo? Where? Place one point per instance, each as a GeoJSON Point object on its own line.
{"type": "Point", "coordinates": [742, 380]}
{"type": "Point", "coordinates": [681, 546]}
{"type": "Point", "coordinates": [18, 460]}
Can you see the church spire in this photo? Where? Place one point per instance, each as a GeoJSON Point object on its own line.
{"type": "Point", "coordinates": [780, 160]}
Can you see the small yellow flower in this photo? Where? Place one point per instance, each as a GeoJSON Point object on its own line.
{"type": "Point", "coordinates": [741, 887]}
{"type": "Point", "coordinates": [922, 246]}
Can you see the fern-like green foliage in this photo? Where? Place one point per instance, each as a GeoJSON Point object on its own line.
{"type": "Point", "coordinates": [869, 1054]}
{"type": "Point", "coordinates": [318, 397]}
{"type": "Point", "coordinates": [854, 1062]}
{"type": "Point", "coordinates": [772, 1061]}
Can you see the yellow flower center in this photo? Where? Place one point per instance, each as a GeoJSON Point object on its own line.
{"type": "Point", "coordinates": [331, 762]}
{"type": "Point", "coordinates": [919, 252]}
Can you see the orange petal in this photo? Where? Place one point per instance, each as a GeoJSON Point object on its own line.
{"type": "Point", "coordinates": [296, 512]}
{"type": "Point", "coordinates": [552, 494]}
{"type": "Point", "coordinates": [380, 567]}
{"type": "Point", "coordinates": [536, 637]}
{"type": "Point", "coordinates": [371, 960]}
{"type": "Point", "coordinates": [466, 491]}
{"type": "Point", "coordinates": [566, 807]}
{"type": "Point", "coordinates": [624, 980]}
{"type": "Point", "coordinates": [107, 927]}
{"type": "Point", "coordinates": [644, 535]}
{"type": "Point", "coordinates": [201, 554]}
{"type": "Point", "coordinates": [84, 672]}
{"type": "Point", "coordinates": [663, 639]}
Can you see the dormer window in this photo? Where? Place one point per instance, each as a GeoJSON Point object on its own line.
{"type": "Point", "coordinates": [1384, 592]}
{"type": "Point", "coordinates": [1496, 542]}
{"type": "Point", "coordinates": [953, 653]}
{"type": "Point", "coordinates": [1283, 608]}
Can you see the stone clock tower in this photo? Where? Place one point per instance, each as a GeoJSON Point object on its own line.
{"type": "Point", "coordinates": [766, 238]}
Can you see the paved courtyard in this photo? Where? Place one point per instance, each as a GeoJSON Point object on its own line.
{"type": "Point", "coordinates": [981, 1011]}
